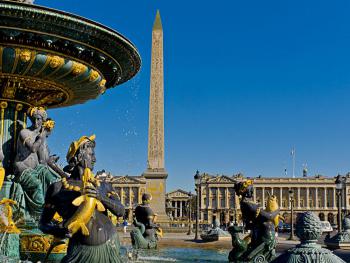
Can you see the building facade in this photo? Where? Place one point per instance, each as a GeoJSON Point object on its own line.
{"type": "Point", "coordinates": [178, 205]}
{"type": "Point", "coordinates": [317, 194]}
{"type": "Point", "coordinates": [129, 189]}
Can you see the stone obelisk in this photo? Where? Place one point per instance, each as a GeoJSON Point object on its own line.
{"type": "Point", "coordinates": [155, 174]}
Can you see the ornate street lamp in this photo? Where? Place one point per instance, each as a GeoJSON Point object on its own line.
{"type": "Point", "coordinates": [339, 187]}
{"type": "Point", "coordinates": [189, 214]}
{"type": "Point", "coordinates": [291, 198]}
{"type": "Point", "coordinates": [197, 181]}
{"type": "Point", "coordinates": [235, 208]}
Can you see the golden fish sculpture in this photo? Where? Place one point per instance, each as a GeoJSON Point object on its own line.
{"type": "Point", "coordinates": [2, 176]}
{"type": "Point", "coordinates": [272, 206]}
{"type": "Point", "coordinates": [87, 206]}
{"type": "Point", "coordinates": [7, 225]}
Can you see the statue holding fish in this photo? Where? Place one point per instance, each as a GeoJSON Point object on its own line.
{"type": "Point", "coordinates": [82, 201]}
{"type": "Point", "coordinates": [260, 245]}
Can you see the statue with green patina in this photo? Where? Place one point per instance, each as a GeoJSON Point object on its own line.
{"type": "Point", "coordinates": [145, 233]}
{"type": "Point", "coordinates": [342, 238]}
{"type": "Point", "coordinates": [260, 245]}
{"type": "Point", "coordinates": [31, 165]}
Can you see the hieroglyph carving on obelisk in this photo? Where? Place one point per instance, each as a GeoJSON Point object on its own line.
{"type": "Point", "coordinates": [156, 102]}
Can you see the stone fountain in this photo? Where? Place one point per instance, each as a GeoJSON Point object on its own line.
{"type": "Point", "coordinates": [50, 59]}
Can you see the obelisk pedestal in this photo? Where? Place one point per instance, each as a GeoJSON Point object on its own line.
{"type": "Point", "coordinates": [156, 186]}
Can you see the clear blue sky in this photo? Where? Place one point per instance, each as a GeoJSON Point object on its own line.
{"type": "Point", "coordinates": [245, 81]}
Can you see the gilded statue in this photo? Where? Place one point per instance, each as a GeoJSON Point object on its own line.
{"type": "Point", "coordinates": [260, 245]}
{"type": "Point", "coordinates": [7, 225]}
{"type": "Point", "coordinates": [83, 203]}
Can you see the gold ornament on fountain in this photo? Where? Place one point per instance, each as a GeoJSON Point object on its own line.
{"type": "Point", "coordinates": [102, 83]}
{"type": "Point", "coordinates": [93, 75]}
{"type": "Point", "coordinates": [7, 225]}
{"type": "Point", "coordinates": [25, 55]}
{"type": "Point", "coordinates": [3, 105]}
{"type": "Point", "coordinates": [49, 124]}
{"type": "Point", "coordinates": [2, 175]}
{"type": "Point", "coordinates": [55, 61]}
{"type": "Point", "coordinates": [19, 107]}
{"type": "Point", "coordinates": [78, 68]}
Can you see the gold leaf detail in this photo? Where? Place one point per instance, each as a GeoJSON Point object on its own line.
{"type": "Point", "coordinates": [56, 61]}
{"type": "Point", "coordinates": [78, 68]}
{"type": "Point", "coordinates": [3, 104]}
{"type": "Point", "coordinates": [93, 75]}
{"type": "Point", "coordinates": [25, 55]}
{"type": "Point", "coordinates": [19, 107]}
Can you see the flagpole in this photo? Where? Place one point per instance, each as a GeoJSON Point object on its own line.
{"type": "Point", "coordinates": [293, 155]}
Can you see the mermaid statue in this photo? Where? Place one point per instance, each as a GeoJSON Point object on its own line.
{"type": "Point", "coordinates": [83, 201]}
{"type": "Point", "coordinates": [260, 245]}
{"type": "Point", "coordinates": [145, 233]}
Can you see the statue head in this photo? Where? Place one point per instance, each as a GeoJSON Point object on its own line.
{"type": "Point", "coordinates": [245, 188]}
{"type": "Point", "coordinates": [82, 152]}
{"type": "Point", "coordinates": [37, 116]}
{"type": "Point", "coordinates": [146, 198]}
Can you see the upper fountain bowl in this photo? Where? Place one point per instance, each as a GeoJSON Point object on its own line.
{"type": "Point", "coordinates": [54, 59]}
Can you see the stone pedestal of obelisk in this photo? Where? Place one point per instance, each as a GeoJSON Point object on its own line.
{"type": "Point", "coordinates": [156, 174]}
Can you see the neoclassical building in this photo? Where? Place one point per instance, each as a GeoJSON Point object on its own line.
{"type": "Point", "coordinates": [128, 188]}
{"type": "Point", "coordinates": [317, 194]}
{"type": "Point", "coordinates": [177, 205]}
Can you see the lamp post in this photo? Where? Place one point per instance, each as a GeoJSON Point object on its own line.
{"type": "Point", "coordinates": [235, 207]}
{"type": "Point", "coordinates": [189, 215]}
{"type": "Point", "coordinates": [197, 181]}
{"type": "Point", "coordinates": [291, 197]}
{"type": "Point", "coordinates": [339, 188]}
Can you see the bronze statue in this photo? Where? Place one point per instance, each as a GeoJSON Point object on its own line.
{"type": "Point", "coordinates": [146, 232]}
{"type": "Point", "coordinates": [31, 163]}
{"type": "Point", "coordinates": [82, 202]}
{"type": "Point", "coordinates": [260, 245]}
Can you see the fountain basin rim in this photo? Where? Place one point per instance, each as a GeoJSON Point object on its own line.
{"type": "Point", "coordinates": [80, 31]}
{"type": "Point", "coordinates": [72, 15]}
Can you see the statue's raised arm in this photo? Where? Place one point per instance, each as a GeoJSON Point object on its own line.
{"type": "Point", "coordinates": [31, 171]}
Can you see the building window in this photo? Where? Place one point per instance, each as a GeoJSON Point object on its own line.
{"type": "Point", "coordinates": [284, 203]}
{"type": "Point", "coordinates": [213, 203]}
{"type": "Point", "coordinates": [222, 203]}
{"type": "Point", "coordinates": [302, 203]}
{"type": "Point", "coordinates": [205, 216]}
{"type": "Point", "coordinates": [232, 201]}
{"type": "Point", "coordinates": [311, 203]}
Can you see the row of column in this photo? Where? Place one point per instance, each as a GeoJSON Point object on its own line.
{"type": "Point", "coordinates": [131, 195]}
{"type": "Point", "coordinates": [180, 208]}
{"type": "Point", "coordinates": [218, 196]}
{"type": "Point", "coordinates": [297, 197]}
